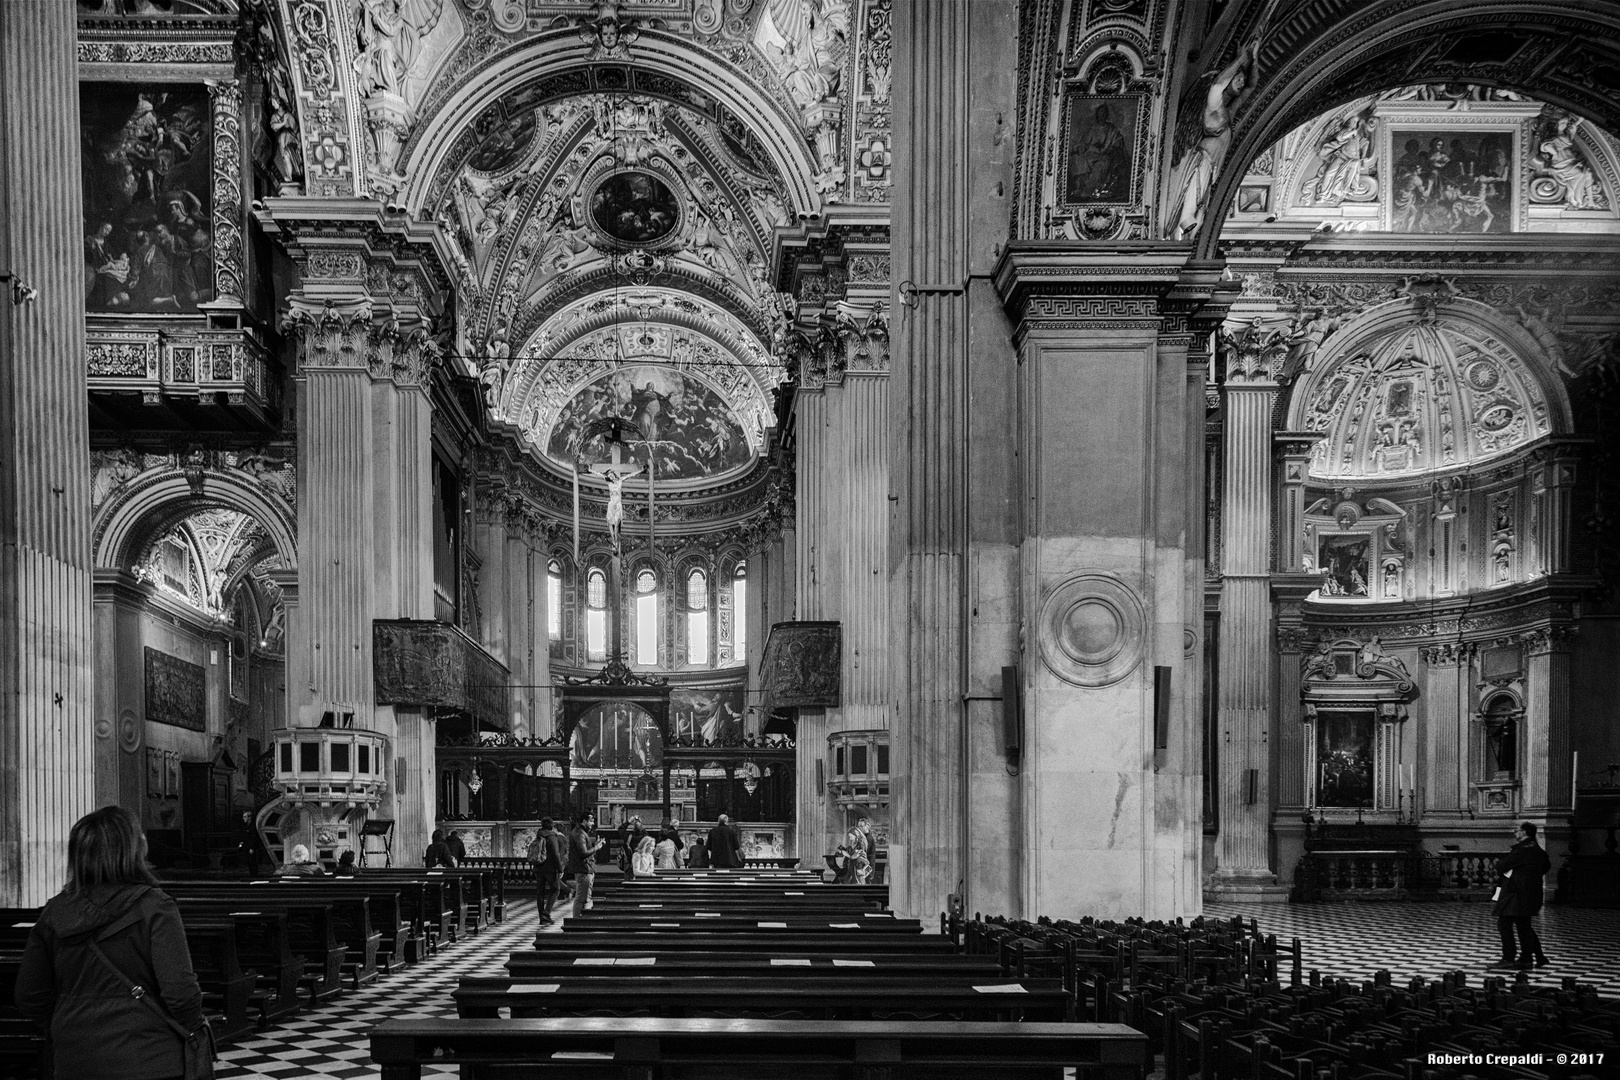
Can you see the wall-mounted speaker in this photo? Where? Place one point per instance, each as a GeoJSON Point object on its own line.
{"type": "Point", "coordinates": [1251, 786]}
{"type": "Point", "coordinates": [1012, 712]}
{"type": "Point", "coordinates": [402, 770]}
{"type": "Point", "coordinates": [1161, 708]}
{"type": "Point", "coordinates": [821, 775]}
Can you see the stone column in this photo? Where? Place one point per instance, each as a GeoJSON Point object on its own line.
{"type": "Point", "coordinates": [362, 317]}
{"type": "Point", "coordinates": [1443, 754]}
{"type": "Point", "coordinates": [927, 535]}
{"type": "Point", "coordinates": [526, 595]}
{"type": "Point", "coordinates": [1243, 858]}
{"type": "Point", "coordinates": [47, 717]}
{"type": "Point", "coordinates": [1544, 776]}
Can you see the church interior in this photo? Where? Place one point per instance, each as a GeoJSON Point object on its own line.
{"type": "Point", "coordinates": [430, 417]}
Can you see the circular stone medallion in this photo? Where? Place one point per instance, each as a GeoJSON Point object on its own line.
{"type": "Point", "coordinates": [635, 208]}
{"type": "Point", "coordinates": [1092, 630]}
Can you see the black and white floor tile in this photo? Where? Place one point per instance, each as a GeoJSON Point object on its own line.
{"type": "Point", "coordinates": [334, 1040]}
{"type": "Point", "coordinates": [1353, 941]}
{"type": "Point", "coordinates": [1344, 940]}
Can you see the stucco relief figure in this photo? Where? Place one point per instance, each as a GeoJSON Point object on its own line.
{"type": "Point", "coordinates": [1349, 164]}
{"type": "Point", "coordinates": [807, 42]}
{"type": "Point", "coordinates": [391, 34]}
{"type": "Point", "coordinates": [1204, 139]}
{"type": "Point", "coordinates": [1560, 159]}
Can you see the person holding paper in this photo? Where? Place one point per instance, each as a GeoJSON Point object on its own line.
{"type": "Point", "coordinates": [583, 844]}
{"type": "Point", "coordinates": [1518, 899]}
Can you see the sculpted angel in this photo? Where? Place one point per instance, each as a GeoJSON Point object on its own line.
{"type": "Point", "coordinates": [391, 34]}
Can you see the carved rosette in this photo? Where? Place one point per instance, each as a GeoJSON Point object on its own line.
{"type": "Point", "coordinates": [1093, 630]}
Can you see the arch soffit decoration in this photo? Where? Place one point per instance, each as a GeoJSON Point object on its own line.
{"type": "Point", "coordinates": [562, 54]}
{"type": "Point", "coordinates": [159, 500]}
{"type": "Point", "coordinates": [1326, 55]}
{"type": "Point", "coordinates": [1470, 319]}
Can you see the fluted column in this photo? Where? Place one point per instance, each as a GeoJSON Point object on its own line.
{"type": "Point", "coordinates": [47, 720]}
{"type": "Point", "coordinates": [815, 571]}
{"type": "Point", "coordinates": [1243, 862]}
{"type": "Point", "coordinates": [928, 460]}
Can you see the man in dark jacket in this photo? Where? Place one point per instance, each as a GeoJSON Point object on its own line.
{"type": "Point", "coordinates": [97, 1027]}
{"type": "Point", "coordinates": [1521, 870]}
{"type": "Point", "coordinates": [583, 844]}
{"type": "Point", "coordinates": [724, 849]}
{"type": "Point", "coordinates": [548, 851]}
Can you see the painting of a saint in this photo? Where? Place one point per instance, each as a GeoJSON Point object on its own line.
{"type": "Point", "coordinates": [1343, 563]}
{"type": "Point", "coordinates": [635, 207]}
{"type": "Point", "coordinates": [148, 244]}
{"type": "Point", "coordinates": [692, 432]}
{"type": "Point", "coordinates": [1344, 764]}
{"type": "Point", "coordinates": [1101, 140]}
{"type": "Point", "coordinates": [1454, 181]}
{"type": "Point", "coordinates": [709, 714]}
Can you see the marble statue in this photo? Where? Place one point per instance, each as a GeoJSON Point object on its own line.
{"type": "Point", "coordinates": [1349, 164]}
{"type": "Point", "coordinates": [1559, 158]}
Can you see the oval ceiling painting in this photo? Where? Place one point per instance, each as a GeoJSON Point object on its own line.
{"type": "Point", "coordinates": [693, 433]}
{"type": "Point", "coordinates": [635, 207]}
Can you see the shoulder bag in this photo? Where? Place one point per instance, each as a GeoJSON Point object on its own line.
{"type": "Point", "coordinates": [197, 1046]}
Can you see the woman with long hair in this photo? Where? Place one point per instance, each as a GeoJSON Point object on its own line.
{"type": "Point", "coordinates": [106, 969]}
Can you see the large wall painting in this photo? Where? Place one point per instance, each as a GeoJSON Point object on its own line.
{"type": "Point", "coordinates": [145, 159]}
{"type": "Point", "coordinates": [1344, 759]}
{"type": "Point", "coordinates": [620, 737]}
{"type": "Point", "coordinates": [635, 208]}
{"type": "Point", "coordinates": [176, 691]}
{"type": "Point", "coordinates": [710, 714]}
{"type": "Point", "coordinates": [1452, 180]}
{"type": "Point", "coordinates": [694, 434]}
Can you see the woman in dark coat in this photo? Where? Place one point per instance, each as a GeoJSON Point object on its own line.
{"type": "Point", "coordinates": [97, 1027]}
{"type": "Point", "coordinates": [1522, 870]}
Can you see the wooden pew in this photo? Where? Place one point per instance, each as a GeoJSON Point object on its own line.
{"type": "Point", "coordinates": [226, 987]}
{"type": "Point", "coordinates": [717, 922]}
{"type": "Point", "coordinates": [652, 960]}
{"type": "Point", "coordinates": [349, 919]}
{"type": "Point", "coordinates": [773, 943]}
{"type": "Point", "coordinates": [811, 1049]}
{"type": "Point", "coordinates": [859, 997]}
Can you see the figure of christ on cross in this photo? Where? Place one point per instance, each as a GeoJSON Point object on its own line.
{"type": "Point", "coordinates": [614, 472]}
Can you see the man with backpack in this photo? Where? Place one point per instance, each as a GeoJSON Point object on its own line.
{"type": "Point", "coordinates": [547, 852]}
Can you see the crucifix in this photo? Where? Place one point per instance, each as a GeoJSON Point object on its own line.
{"type": "Point", "coordinates": [614, 472]}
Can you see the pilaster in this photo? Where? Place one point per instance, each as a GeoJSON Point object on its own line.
{"type": "Point", "coordinates": [1243, 857]}
{"type": "Point", "coordinates": [47, 705]}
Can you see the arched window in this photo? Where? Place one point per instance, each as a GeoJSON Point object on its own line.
{"type": "Point", "coordinates": [554, 600]}
{"type": "Point", "coordinates": [646, 618]}
{"type": "Point", "coordinates": [596, 615]}
{"type": "Point", "coordinates": [739, 611]}
{"type": "Point", "coordinates": [697, 617]}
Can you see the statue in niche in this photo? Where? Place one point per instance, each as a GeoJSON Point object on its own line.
{"type": "Point", "coordinates": [1349, 164]}
{"type": "Point", "coordinates": [1392, 581]}
{"type": "Point", "coordinates": [1203, 139]}
{"type": "Point", "coordinates": [1560, 159]}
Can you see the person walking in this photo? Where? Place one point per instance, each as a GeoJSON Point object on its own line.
{"type": "Point", "coordinates": [725, 852]}
{"type": "Point", "coordinates": [1518, 899]}
{"type": "Point", "coordinates": [547, 853]}
{"type": "Point", "coordinates": [583, 844]}
{"type": "Point", "coordinates": [106, 969]}
{"type": "Point", "coordinates": [667, 852]}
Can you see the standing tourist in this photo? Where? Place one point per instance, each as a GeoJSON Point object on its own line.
{"type": "Point", "coordinates": [106, 969]}
{"type": "Point", "coordinates": [583, 844]}
{"type": "Point", "coordinates": [725, 852]}
{"type": "Point", "coordinates": [547, 853]}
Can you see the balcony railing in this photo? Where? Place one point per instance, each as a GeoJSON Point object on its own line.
{"type": "Point", "coordinates": [181, 364]}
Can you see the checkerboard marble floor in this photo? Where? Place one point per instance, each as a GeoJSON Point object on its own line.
{"type": "Point", "coordinates": [1344, 940]}
{"type": "Point", "coordinates": [1353, 941]}
{"type": "Point", "coordinates": [334, 1040]}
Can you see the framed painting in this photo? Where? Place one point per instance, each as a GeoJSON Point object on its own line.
{"type": "Point", "coordinates": [176, 691]}
{"type": "Point", "coordinates": [1344, 758]}
{"type": "Point", "coordinates": [146, 163]}
{"type": "Point", "coordinates": [1098, 166]}
{"type": "Point", "coordinates": [1343, 561]}
{"type": "Point", "coordinates": [1452, 179]}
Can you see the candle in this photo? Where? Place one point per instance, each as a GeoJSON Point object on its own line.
{"type": "Point", "coordinates": [1574, 778]}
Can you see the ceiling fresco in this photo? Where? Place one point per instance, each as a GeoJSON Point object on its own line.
{"type": "Point", "coordinates": [691, 433]}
